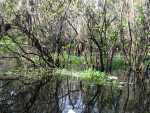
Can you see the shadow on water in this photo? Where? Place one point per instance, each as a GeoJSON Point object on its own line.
{"type": "Point", "coordinates": [59, 94]}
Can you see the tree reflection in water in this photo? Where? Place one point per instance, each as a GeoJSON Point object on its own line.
{"type": "Point", "coordinates": [53, 94]}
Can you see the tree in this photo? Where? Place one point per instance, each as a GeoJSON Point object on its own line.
{"type": "Point", "coordinates": [39, 29]}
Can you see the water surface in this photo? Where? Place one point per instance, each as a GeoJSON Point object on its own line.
{"type": "Point", "coordinates": [59, 94]}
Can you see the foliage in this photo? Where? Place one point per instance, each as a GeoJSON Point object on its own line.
{"type": "Point", "coordinates": [45, 35]}
{"type": "Point", "coordinates": [88, 75]}
{"type": "Point", "coordinates": [119, 63]}
{"type": "Point", "coordinates": [17, 62]}
{"type": "Point", "coordinates": [73, 61]}
{"type": "Point", "coordinates": [94, 76]}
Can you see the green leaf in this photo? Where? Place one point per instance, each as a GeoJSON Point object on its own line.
{"type": "Point", "coordinates": [43, 7]}
{"type": "Point", "coordinates": [127, 44]}
{"type": "Point", "coordinates": [97, 26]}
{"type": "Point", "coordinates": [60, 10]}
{"type": "Point", "coordinates": [7, 5]}
{"type": "Point", "coordinates": [31, 3]}
{"type": "Point", "coordinates": [138, 5]}
{"type": "Point", "coordinates": [91, 5]}
{"type": "Point", "coordinates": [69, 1]}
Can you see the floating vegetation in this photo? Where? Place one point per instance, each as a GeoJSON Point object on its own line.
{"type": "Point", "coordinates": [96, 77]}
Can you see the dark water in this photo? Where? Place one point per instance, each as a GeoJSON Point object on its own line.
{"type": "Point", "coordinates": [55, 94]}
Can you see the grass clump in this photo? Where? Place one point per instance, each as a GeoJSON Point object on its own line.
{"type": "Point", "coordinates": [73, 61]}
{"type": "Point", "coordinates": [118, 63]}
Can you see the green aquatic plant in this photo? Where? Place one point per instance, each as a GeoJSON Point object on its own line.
{"type": "Point", "coordinates": [94, 76]}
{"type": "Point", "coordinates": [88, 75]}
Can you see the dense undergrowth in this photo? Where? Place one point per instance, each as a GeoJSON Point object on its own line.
{"type": "Point", "coordinates": [75, 61]}
{"type": "Point", "coordinates": [118, 62]}
{"type": "Point", "coordinates": [89, 75]}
